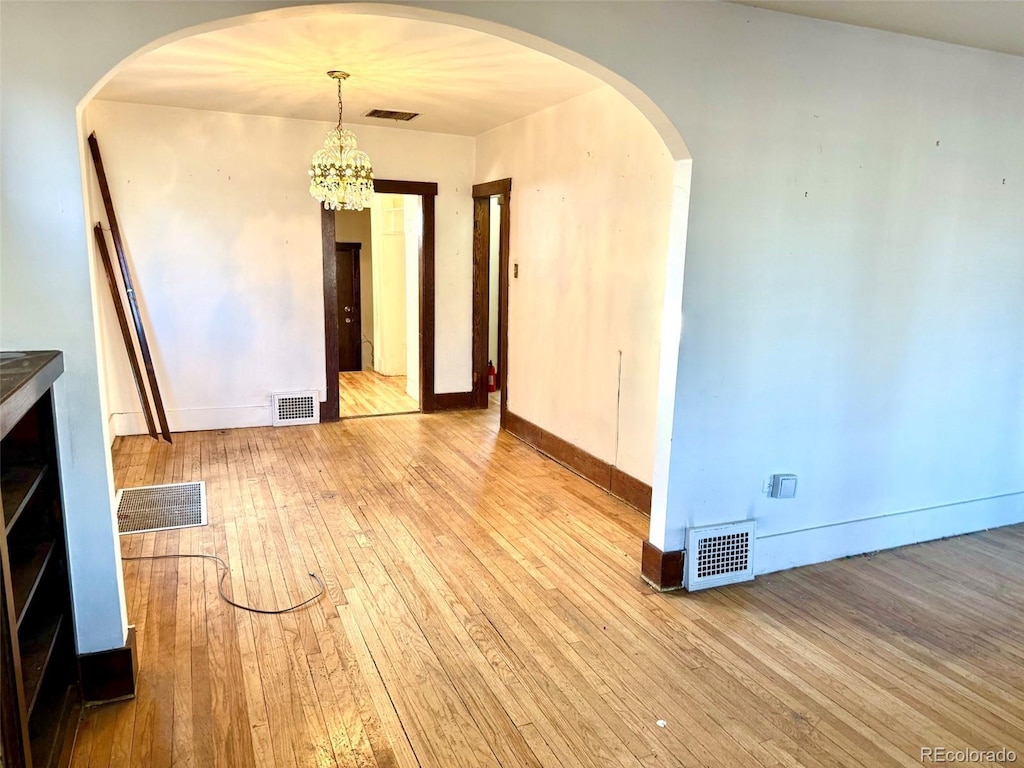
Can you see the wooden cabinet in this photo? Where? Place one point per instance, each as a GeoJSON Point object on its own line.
{"type": "Point", "coordinates": [38, 660]}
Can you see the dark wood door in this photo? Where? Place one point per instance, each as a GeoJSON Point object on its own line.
{"type": "Point", "coordinates": [350, 334]}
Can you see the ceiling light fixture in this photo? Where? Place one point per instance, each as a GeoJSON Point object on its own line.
{"type": "Point", "coordinates": [341, 175]}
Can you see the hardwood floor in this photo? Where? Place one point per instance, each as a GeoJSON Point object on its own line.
{"type": "Point", "coordinates": [367, 393]}
{"type": "Point", "coordinates": [484, 608]}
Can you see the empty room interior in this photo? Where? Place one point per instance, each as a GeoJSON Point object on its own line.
{"type": "Point", "coordinates": [556, 384]}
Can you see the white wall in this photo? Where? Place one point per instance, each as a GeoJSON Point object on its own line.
{"type": "Point", "coordinates": [867, 336]}
{"type": "Point", "coordinates": [225, 243]}
{"type": "Point", "coordinates": [389, 285]}
{"type": "Point", "coordinates": [591, 190]}
{"type": "Point", "coordinates": [854, 291]}
{"type": "Point", "coordinates": [354, 227]}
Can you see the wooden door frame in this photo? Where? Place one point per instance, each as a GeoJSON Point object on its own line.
{"type": "Point", "coordinates": [427, 191]}
{"type": "Point", "coordinates": [482, 193]}
{"type": "Point", "coordinates": [357, 247]}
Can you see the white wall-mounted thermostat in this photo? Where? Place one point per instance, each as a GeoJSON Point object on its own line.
{"type": "Point", "coordinates": [783, 487]}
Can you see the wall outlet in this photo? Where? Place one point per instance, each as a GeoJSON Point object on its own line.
{"type": "Point", "coordinates": [515, 269]}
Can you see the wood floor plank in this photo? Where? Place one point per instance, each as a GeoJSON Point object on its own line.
{"type": "Point", "coordinates": [386, 733]}
{"type": "Point", "coordinates": [483, 607]}
{"type": "Point", "coordinates": [967, 717]}
{"type": "Point", "coordinates": [255, 702]}
{"type": "Point", "coordinates": [368, 393]}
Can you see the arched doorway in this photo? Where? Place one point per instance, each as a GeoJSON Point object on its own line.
{"type": "Point", "coordinates": [95, 568]}
{"type": "Point", "coordinates": [671, 314]}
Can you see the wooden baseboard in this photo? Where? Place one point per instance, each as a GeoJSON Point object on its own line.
{"type": "Point", "coordinates": [109, 675]}
{"type": "Point", "coordinates": [452, 401]}
{"type": "Point", "coordinates": [634, 492]}
{"type": "Point", "coordinates": [329, 413]}
{"type": "Point", "coordinates": [662, 570]}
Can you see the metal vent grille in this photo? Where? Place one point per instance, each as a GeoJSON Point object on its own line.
{"type": "Point", "coordinates": [295, 408]}
{"type": "Point", "coordinates": [719, 554]}
{"type": "Point", "coordinates": [161, 507]}
{"type": "Point", "coordinates": [392, 114]}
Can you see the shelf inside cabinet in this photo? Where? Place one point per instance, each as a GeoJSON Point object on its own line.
{"type": "Point", "coordinates": [49, 724]}
{"type": "Point", "coordinates": [38, 639]}
{"type": "Point", "coordinates": [19, 483]}
{"type": "Point", "coordinates": [40, 699]}
{"type": "Point", "coordinates": [29, 562]}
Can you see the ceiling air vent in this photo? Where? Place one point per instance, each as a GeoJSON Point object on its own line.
{"type": "Point", "coordinates": [392, 114]}
{"type": "Point", "coordinates": [719, 554]}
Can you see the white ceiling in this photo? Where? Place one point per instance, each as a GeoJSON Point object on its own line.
{"type": "Point", "coordinates": [994, 25]}
{"type": "Point", "coordinates": [461, 81]}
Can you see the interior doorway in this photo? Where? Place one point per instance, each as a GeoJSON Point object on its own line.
{"type": "Point", "coordinates": [418, 244]}
{"type": "Point", "coordinates": [378, 295]}
{"type": "Point", "coordinates": [350, 333]}
{"type": "Point", "coordinates": [491, 224]}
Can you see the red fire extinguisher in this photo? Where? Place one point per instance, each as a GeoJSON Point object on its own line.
{"type": "Point", "coordinates": [492, 377]}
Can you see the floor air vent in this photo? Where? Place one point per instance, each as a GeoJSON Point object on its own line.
{"type": "Point", "coordinates": [719, 554]}
{"type": "Point", "coordinates": [161, 507]}
{"type": "Point", "coordinates": [295, 408]}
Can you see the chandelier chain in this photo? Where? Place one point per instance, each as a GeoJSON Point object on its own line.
{"type": "Point", "coordinates": [340, 104]}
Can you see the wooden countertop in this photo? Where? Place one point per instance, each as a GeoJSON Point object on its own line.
{"type": "Point", "coordinates": [24, 377]}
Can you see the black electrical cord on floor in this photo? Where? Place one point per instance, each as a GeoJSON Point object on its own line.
{"type": "Point", "coordinates": [220, 584]}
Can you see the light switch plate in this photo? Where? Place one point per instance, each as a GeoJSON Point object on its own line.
{"type": "Point", "coordinates": [783, 486]}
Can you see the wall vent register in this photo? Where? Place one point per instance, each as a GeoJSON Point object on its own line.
{"type": "Point", "coordinates": [295, 408]}
{"type": "Point", "coordinates": [717, 555]}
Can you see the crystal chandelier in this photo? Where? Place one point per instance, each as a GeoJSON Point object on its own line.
{"type": "Point", "coordinates": [341, 176]}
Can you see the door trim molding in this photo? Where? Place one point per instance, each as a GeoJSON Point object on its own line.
{"type": "Point", "coordinates": [481, 298]}
{"type": "Point", "coordinates": [427, 191]}
{"type": "Point", "coordinates": [330, 409]}
{"type": "Point", "coordinates": [482, 193]}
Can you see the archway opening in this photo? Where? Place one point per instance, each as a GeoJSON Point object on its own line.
{"type": "Point", "coordinates": [628, 389]}
{"type": "Point", "coordinates": [212, 202]}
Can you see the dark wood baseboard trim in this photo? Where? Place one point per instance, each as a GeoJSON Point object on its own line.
{"type": "Point", "coordinates": [662, 570]}
{"type": "Point", "coordinates": [327, 411]}
{"type": "Point", "coordinates": [109, 675]}
{"type": "Point", "coordinates": [634, 492]}
{"type": "Point", "coordinates": [602, 474]}
{"type": "Point", "coordinates": [454, 401]}
{"type": "Point", "coordinates": [579, 461]}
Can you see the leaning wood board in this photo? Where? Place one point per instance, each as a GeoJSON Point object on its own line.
{"type": "Point", "coordinates": [129, 288]}
{"type": "Point", "coordinates": [126, 335]}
